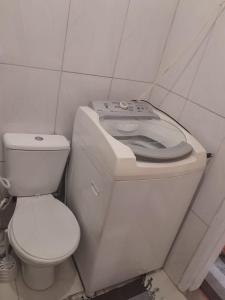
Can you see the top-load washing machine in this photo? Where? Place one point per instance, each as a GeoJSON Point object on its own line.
{"type": "Point", "coordinates": [132, 175]}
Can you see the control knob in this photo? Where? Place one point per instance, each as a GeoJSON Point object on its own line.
{"type": "Point", "coordinates": [123, 105]}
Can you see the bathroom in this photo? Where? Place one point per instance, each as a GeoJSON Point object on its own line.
{"type": "Point", "coordinates": [59, 55]}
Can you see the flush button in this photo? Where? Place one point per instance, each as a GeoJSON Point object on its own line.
{"type": "Point", "coordinates": [39, 138]}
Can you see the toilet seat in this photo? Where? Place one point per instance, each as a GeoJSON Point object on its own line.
{"type": "Point", "coordinates": [43, 229]}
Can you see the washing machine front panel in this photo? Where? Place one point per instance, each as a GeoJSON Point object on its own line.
{"type": "Point", "coordinates": [142, 222]}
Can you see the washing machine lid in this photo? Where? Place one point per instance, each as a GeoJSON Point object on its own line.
{"type": "Point", "coordinates": [44, 228]}
{"type": "Point", "coordinates": [135, 124]}
{"type": "Point", "coordinates": [152, 140]}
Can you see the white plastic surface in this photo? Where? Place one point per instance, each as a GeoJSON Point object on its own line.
{"type": "Point", "coordinates": [21, 141]}
{"type": "Point", "coordinates": [129, 211]}
{"type": "Point", "coordinates": [119, 160]}
{"type": "Point", "coordinates": [128, 226]}
{"type": "Point", "coordinates": [34, 172]}
{"type": "Point", "coordinates": [44, 228]}
{"type": "Point", "coordinates": [158, 130]}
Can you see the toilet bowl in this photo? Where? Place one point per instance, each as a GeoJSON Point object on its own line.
{"type": "Point", "coordinates": [43, 233]}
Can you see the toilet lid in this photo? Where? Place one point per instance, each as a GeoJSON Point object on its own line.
{"type": "Point", "coordinates": [43, 227]}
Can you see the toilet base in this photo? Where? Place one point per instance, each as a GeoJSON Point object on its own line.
{"type": "Point", "coordinates": [38, 277]}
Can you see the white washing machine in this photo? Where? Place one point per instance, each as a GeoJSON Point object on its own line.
{"type": "Point", "coordinates": [132, 175]}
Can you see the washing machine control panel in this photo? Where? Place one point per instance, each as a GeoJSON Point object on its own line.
{"type": "Point", "coordinates": [129, 109]}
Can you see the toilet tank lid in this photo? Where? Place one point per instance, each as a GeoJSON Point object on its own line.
{"type": "Point", "coordinates": [35, 142]}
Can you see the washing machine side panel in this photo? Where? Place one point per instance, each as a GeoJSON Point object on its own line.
{"type": "Point", "coordinates": [88, 195]}
{"type": "Point", "coordinates": [143, 220]}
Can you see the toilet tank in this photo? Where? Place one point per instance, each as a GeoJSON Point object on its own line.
{"type": "Point", "coordinates": [34, 164]}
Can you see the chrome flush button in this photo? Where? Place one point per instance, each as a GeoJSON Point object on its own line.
{"type": "Point", "coordinates": [39, 138]}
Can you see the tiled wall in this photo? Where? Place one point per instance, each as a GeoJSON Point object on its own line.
{"type": "Point", "coordinates": [58, 54]}
{"type": "Point", "coordinates": [193, 91]}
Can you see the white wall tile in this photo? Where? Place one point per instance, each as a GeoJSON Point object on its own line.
{"type": "Point", "coordinates": [146, 30]}
{"type": "Point", "coordinates": [94, 33]}
{"type": "Point", "coordinates": [158, 95]}
{"type": "Point", "coordinates": [212, 192]}
{"type": "Point", "coordinates": [188, 240]}
{"type": "Point", "coordinates": [173, 105]}
{"type": "Point", "coordinates": [209, 86]}
{"type": "Point", "coordinates": [187, 35]}
{"type": "Point", "coordinates": [128, 90]}
{"type": "Point", "coordinates": [76, 90]}
{"type": "Point", "coordinates": [207, 127]}
{"type": "Point", "coordinates": [28, 100]}
{"type": "Point", "coordinates": [33, 32]}
{"type": "Point", "coordinates": [179, 78]}
{"type": "Point", "coordinates": [206, 254]}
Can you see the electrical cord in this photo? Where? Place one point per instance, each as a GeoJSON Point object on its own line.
{"type": "Point", "coordinates": [163, 113]}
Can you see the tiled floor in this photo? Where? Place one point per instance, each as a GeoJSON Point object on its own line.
{"type": "Point", "coordinates": [135, 290]}
{"type": "Point", "coordinates": [197, 295]}
{"type": "Point", "coordinates": [167, 290]}
{"type": "Point", "coordinates": [67, 284]}
{"type": "Point", "coordinates": [215, 280]}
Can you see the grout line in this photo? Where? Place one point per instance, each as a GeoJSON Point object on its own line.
{"type": "Point", "coordinates": [206, 108]}
{"type": "Point", "coordinates": [202, 239]}
{"type": "Point", "coordinates": [196, 73]}
{"type": "Point", "coordinates": [118, 50]}
{"type": "Point", "coordinates": [167, 38]}
{"type": "Point", "coordinates": [30, 67]}
{"type": "Point", "coordinates": [208, 34]}
{"type": "Point", "coordinates": [199, 217]}
{"type": "Point", "coordinates": [195, 250]}
{"type": "Point", "coordinates": [171, 91]}
{"type": "Point", "coordinates": [61, 69]}
{"type": "Point", "coordinates": [165, 45]}
{"type": "Point", "coordinates": [192, 101]}
{"type": "Point", "coordinates": [134, 80]}
{"type": "Point", "coordinates": [199, 63]}
{"type": "Point", "coordinates": [88, 74]}
{"type": "Point", "coordinates": [190, 60]}
{"type": "Point", "coordinates": [72, 72]}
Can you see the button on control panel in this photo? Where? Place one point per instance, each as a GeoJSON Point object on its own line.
{"type": "Point", "coordinates": [124, 105]}
{"type": "Point", "coordinates": [39, 138]}
{"type": "Point", "coordinates": [125, 109]}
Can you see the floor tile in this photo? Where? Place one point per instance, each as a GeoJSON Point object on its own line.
{"type": "Point", "coordinates": [8, 291]}
{"type": "Point", "coordinates": [167, 290]}
{"type": "Point", "coordinates": [196, 295]}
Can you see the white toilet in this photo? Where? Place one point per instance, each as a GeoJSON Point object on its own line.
{"type": "Point", "coordinates": [43, 231]}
